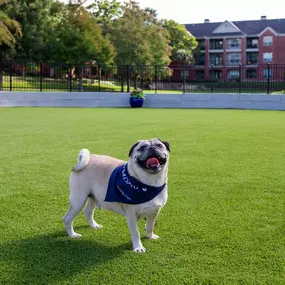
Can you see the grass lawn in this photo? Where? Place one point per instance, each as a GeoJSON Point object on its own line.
{"type": "Point", "coordinates": [224, 222]}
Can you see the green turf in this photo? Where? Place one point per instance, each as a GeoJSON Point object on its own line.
{"type": "Point", "coordinates": [224, 222]}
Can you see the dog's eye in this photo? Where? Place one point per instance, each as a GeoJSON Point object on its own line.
{"type": "Point", "coordinates": [159, 145]}
{"type": "Point", "coordinates": [142, 148]}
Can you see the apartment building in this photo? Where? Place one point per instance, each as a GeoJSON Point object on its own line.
{"type": "Point", "coordinates": [239, 49]}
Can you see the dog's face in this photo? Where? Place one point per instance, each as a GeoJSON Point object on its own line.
{"type": "Point", "coordinates": [150, 155]}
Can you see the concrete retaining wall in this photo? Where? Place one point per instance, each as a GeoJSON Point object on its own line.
{"type": "Point", "coordinates": [77, 99]}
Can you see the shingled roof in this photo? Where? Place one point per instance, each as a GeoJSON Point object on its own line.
{"type": "Point", "coordinates": [253, 27]}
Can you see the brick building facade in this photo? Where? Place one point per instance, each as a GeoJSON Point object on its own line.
{"type": "Point", "coordinates": [250, 50]}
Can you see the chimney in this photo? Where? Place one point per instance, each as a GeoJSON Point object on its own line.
{"type": "Point", "coordinates": [206, 21]}
{"type": "Point", "coordinates": [263, 18]}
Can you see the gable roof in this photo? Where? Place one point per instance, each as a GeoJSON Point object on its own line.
{"type": "Point", "coordinates": [254, 27]}
{"type": "Point", "coordinates": [227, 27]}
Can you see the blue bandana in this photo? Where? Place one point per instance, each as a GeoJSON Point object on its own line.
{"type": "Point", "coordinates": [126, 189]}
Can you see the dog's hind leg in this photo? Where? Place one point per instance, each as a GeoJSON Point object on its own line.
{"type": "Point", "coordinates": [76, 204]}
{"type": "Point", "coordinates": [89, 214]}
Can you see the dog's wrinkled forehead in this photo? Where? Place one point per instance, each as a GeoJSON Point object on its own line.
{"type": "Point", "coordinates": [144, 144]}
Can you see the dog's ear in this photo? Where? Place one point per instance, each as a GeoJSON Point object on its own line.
{"type": "Point", "coordinates": [167, 145]}
{"type": "Point", "coordinates": [132, 149]}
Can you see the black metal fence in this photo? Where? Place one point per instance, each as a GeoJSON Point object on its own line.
{"type": "Point", "coordinates": [93, 77]}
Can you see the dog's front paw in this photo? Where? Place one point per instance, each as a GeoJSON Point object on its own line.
{"type": "Point", "coordinates": [139, 249]}
{"type": "Point", "coordinates": [152, 236]}
{"type": "Point", "coordinates": [75, 235]}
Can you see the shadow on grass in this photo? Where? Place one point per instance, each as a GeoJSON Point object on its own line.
{"type": "Point", "coordinates": [48, 258]}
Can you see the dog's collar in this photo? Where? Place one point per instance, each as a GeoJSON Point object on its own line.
{"type": "Point", "coordinates": [125, 188]}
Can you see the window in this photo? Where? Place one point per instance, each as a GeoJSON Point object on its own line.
{"type": "Point", "coordinates": [267, 41]}
{"type": "Point", "coordinates": [216, 74]}
{"type": "Point", "coordinates": [216, 44]}
{"type": "Point", "coordinates": [252, 58]}
{"type": "Point", "coordinates": [233, 74]}
{"type": "Point", "coordinates": [267, 73]}
{"type": "Point", "coordinates": [267, 57]}
{"type": "Point", "coordinates": [233, 43]}
{"type": "Point", "coordinates": [252, 43]}
{"type": "Point", "coordinates": [233, 58]}
{"type": "Point", "coordinates": [200, 75]}
{"type": "Point", "coordinates": [216, 59]}
{"type": "Point", "coordinates": [251, 73]}
{"type": "Point", "coordinates": [184, 74]}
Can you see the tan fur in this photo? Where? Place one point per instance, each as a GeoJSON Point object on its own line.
{"type": "Point", "coordinates": [89, 182]}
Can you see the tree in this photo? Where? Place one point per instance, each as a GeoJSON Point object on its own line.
{"type": "Point", "coordinates": [78, 39]}
{"type": "Point", "coordinates": [185, 56]}
{"type": "Point", "coordinates": [182, 42]}
{"type": "Point", "coordinates": [8, 28]}
{"type": "Point", "coordinates": [37, 19]}
{"type": "Point", "coordinates": [77, 2]}
{"type": "Point", "coordinates": [139, 38]}
{"type": "Point", "coordinates": [105, 12]}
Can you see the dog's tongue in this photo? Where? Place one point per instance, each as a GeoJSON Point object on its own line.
{"type": "Point", "coordinates": [152, 162]}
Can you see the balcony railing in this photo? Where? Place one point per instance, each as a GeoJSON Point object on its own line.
{"type": "Point", "coordinates": [233, 46]}
{"type": "Point", "coordinates": [233, 62]}
{"type": "Point", "coordinates": [216, 62]}
{"type": "Point", "coordinates": [252, 61]}
{"type": "Point", "coordinates": [216, 47]}
{"type": "Point", "coordinates": [251, 46]}
{"type": "Point", "coordinates": [200, 62]}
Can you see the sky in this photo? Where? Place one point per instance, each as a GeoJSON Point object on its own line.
{"type": "Point", "coordinates": [187, 11]}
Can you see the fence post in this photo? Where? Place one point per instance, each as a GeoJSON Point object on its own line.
{"type": "Point", "coordinates": [183, 72]}
{"type": "Point", "coordinates": [141, 83]}
{"type": "Point", "coordinates": [80, 77]}
{"type": "Point", "coordinates": [240, 78]}
{"type": "Point", "coordinates": [10, 71]}
{"type": "Point", "coordinates": [212, 76]}
{"type": "Point", "coordinates": [1, 74]}
{"type": "Point", "coordinates": [128, 78]}
{"type": "Point", "coordinates": [70, 77]}
{"type": "Point", "coordinates": [122, 72]}
{"type": "Point", "coordinates": [99, 77]}
{"type": "Point", "coordinates": [268, 78]}
{"type": "Point", "coordinates": [155, 78]}
{"type": "Point", "coordinates": [41, 76]}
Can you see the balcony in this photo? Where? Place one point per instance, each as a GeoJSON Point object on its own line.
{"type": "Point", "coordinates": [201, 45]}
{"type": "Point", "coordinates": [252, 61]}
{"type": "Point", "coordinates": [216, 75]}
{"type": "Point", "coordinates": [252, 58]}
{"type": "Point", "coordinates": [233, 46]}
{"type": "Point", "coordinates": [200, 63]}
{"type": "Point", "coordinates": [234, 58]}
{"type": "Point", "coordinates": [216, 62]}
{"type": "Point", "coordinates": [252, 44]}
{"type": "Point", "coordinates": [199, 59]}
{"type": "Point", "coordinates": [232, 62]}
{"type": "Point", "coordinates": [216, 45]}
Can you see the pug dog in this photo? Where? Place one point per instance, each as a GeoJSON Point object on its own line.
{"type": "Point", "coordinates": [136, 188]}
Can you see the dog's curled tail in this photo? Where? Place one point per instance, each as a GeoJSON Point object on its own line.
{"type": "Point", "coordinates": [83, 160]}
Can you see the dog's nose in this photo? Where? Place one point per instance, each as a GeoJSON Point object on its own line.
{"type": "Point", "coordinates": [152, 150]}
